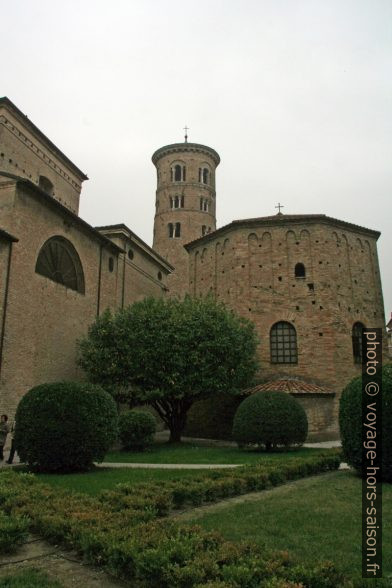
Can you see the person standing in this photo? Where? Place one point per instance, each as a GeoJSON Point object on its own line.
{"type": "Point", "coordinates": [12, 450]}
{"type": "Point", "coordinates": [4, 430]}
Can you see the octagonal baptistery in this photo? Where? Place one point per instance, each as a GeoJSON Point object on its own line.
{"type": "Point", "coordinates": [308, 282]}
{"type": "Point", "coordinates": [185, 206]}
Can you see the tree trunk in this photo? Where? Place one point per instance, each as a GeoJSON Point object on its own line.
{"type": "Point", "coordinates": [177, 422]}
{"type": "Point", "coordinates": [175, 435]}
{"type": "Point", "coordinates": [174, 415]}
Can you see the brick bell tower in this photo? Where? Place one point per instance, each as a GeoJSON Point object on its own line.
{"type": "Point", "coordinates": [185, 207]}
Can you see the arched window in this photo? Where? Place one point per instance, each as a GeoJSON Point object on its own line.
{"type": "Point", "coordinates": [59, 261]}
{"type": "Point", "coordinates": [174, 230]}
{"type": "Point", "coordinates": [204, 204]}
{"type": "Point", "coordinates": [182, 202]}
{"type": "Point", "coordinates": [203, 230]}
{"type": "Point", "coordinates": [283, 343]}
{"type": "Point", "coordinates": [357, 341]}
{"type": "Point", "coordinates": [46, 185]}
{"type": "Point", "coordinates": [176, 202]}
{"type": "Point", "coordinates": [204, 175]}
{"type": "Point", "coordinates": [177, 173]}
{"type": "Point", "coordinates": [300, 271]}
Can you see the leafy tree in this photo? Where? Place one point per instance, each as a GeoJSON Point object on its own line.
{"type": "Point", "coordinates": [169, 353]}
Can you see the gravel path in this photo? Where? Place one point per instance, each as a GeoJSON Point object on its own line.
{"type": "Point", "coordinates": [64, 566]}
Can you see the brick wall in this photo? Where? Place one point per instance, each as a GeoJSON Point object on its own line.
{"type": "Point", "coordinates": [252, 269]}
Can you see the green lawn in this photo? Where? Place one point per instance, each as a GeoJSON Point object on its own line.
{"type": "Point", "coordinates": [106, 478]}
{"type": "Point", "coordinates": [192, 453]}
{"type": "Point", "coordinates": [317, 518]}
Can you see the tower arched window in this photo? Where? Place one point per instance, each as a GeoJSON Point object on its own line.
{"type": "Point", "coordinates": [357, 341]}
{"type": "Point", "coordinates": [203, 230]}
{"type": "Point", "coordinates": [283, 343]}
{"type": "Point", "coordinates": [204, 204]}
{"type": "Point", "coordinates": [204, 175]}
{"type": "Point", "coordinates": [174, 230]}
{"type": "Point", "coordinates": [176, 202]}
{"type": "Point", "coordinates": [178, 173]}
{"type": "Point", "coordinates": [299, 270]}
{"type": "Point", "coordinates": [59, 261]}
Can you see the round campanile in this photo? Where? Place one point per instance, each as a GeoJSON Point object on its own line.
{"type": "Point", "coordinates": [185, 206]}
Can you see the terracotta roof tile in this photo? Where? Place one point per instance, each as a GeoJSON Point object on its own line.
{"type": "Point", "coordinates": [292, 386]}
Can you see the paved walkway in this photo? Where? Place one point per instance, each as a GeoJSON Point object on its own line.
{"type": "Point", "coordinates": [170, 466]}
{"type": "Point", "coordinates": [61, 565]}
{"type": "Point", "coordinates": [163, 436]}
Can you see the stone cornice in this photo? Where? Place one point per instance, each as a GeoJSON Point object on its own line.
{"type": "Point", "coordinates": [38, 152]}
{"type": "Point", "coordinates": [282, 220]}
{"type": "Point", "coordinates": [72, 219]}
{"type": "Point", "coordinates": [123, 230]}
{"type": "Point", "coordinates": [185, 148]}
{"type": "Point", "coordinates": [26, 122]}
{"type": "Point", "coordinates": [4, 236]}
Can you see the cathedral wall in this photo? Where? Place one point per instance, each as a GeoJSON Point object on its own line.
{"type": "Point", "coordinates": [139, 273]}
{"type": "Point", "coordinates": [44, 319]}
{"type": "Point", "coordinates": [24, 154]}
{"type": "Point", "coordinates": [252, 270]}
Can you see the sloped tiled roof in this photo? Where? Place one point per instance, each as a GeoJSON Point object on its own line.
{"type": "Point", "coordinates": [290, 385]}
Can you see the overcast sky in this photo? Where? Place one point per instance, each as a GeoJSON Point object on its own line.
{"type": "Point", "coordinates": [295, 95]}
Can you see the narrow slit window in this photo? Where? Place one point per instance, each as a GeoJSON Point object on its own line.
{"type": "Point", "coordinates": [300, 271]}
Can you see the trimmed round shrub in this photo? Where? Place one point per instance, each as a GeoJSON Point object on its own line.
{"type": "Point", "coordinates": [137, 429]}
{"type": "Point", "coordinates": [269, 420]}
{"type": "Point", "coordinates": [351, 422]}
{"type": "Point", "coordinates": [65, 426]}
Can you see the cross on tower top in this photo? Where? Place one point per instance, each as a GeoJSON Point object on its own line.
{"type": "Point", "coordinates": [186, 129]}
{"type": "Point", "coordinates": [279, 206]}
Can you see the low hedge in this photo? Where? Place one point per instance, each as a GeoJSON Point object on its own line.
{"type": "Point", "coordinates": [121, 531]}
{"type": "Point", "coordinates": [13, 532]}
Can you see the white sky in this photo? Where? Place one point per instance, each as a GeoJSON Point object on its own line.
{"type": "Point", "coordinates": [295, 95]}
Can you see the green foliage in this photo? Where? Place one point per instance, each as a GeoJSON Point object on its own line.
{"type": "Point", "coordinates": [136, 429]}
{"type": "Point", "coordinates": [121, 531]}
{"type": "Point", "coordinates": [212, 418]}
{"type": "Point", "coordinates": [351, 423]}
{"type": "Point", "coordinates": [65, 426]}
{"type": "Point", "coordinates": [169, 353]}
{"type": "Point", "coordinates": [13, 532]}
{"type": "Point", "coordinates": [270, 419]}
